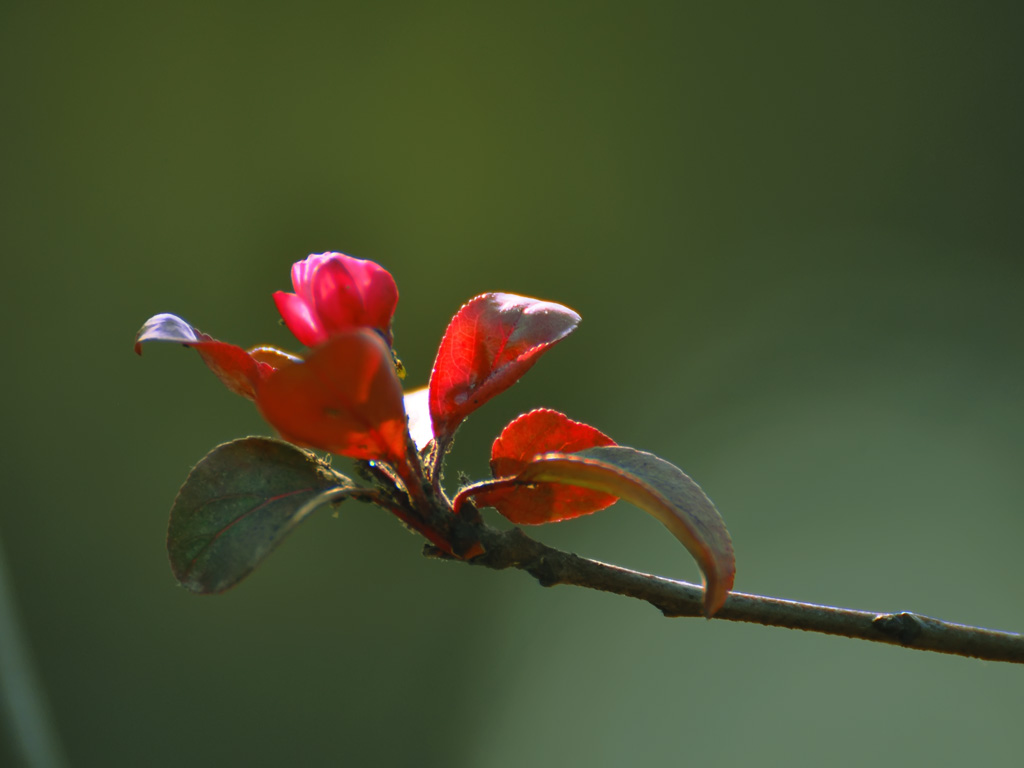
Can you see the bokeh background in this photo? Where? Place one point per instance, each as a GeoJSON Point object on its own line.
{"type": "Point", "coordinates": [794, 233]}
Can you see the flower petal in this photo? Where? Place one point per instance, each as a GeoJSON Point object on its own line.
{"type": "Point", "coordinates": [379, 292]}
{"type": "Point", "coordinates": [337, 301]}
{"type": "Point", "coordinates": [299, 317]}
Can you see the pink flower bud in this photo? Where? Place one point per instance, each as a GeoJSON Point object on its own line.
{"type": "Point", "coordinates": [335, 293]}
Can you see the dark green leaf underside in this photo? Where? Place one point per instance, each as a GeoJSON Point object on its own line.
{"type": "Point", "coordinates": [660, 488]}
{"type": "Point", "coordinates": [236, 505]}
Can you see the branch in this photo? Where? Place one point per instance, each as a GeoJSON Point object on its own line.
{"type": "Point", "coordinates": [514, 549]}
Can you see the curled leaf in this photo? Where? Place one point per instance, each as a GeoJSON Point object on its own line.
{"type": "Point", "coordinates": [538, 432]}
{"type": "Point", "coordinates": [168, 327]}
{"type": "Point", "coordinates": [238, 504]}
{"type": "Point", "coordinates": [490, 343]}
{"type": "Point", "coordinates": [652, 484]}
{"type": "Point", "coordinates": [239, 370]}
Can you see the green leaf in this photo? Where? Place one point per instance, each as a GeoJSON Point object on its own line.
{"type": "Point", "coordinates": [657, 487]}
{"type": "Point", "coordinates": [238, 503]}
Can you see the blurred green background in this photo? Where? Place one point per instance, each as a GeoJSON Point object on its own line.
{"type": "Point", "coordinates": [794, 233]}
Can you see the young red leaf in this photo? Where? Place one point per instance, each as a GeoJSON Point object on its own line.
{"type": "Point", "coordinates": [345, 398]}
{"type": "Point", "coordinates": [534, 433]}
{"type": "Point", "coordinates": [652, 484]}
{"type": "Point", "coordinates": [492, 341]}
{"type": "Point", "coordinates": [237, 504]}
{"type": "Point", "coordinates": [240, 371]}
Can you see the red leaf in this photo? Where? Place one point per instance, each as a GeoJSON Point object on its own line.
{"type": "Point", "coordinates": [240, 371]}
{"type": "Point", "coordinates": [492, 341]}
{"type": "Point", "coordinates": [345, 398]}
{"type": "Point", "coordinates": [534, 433]}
